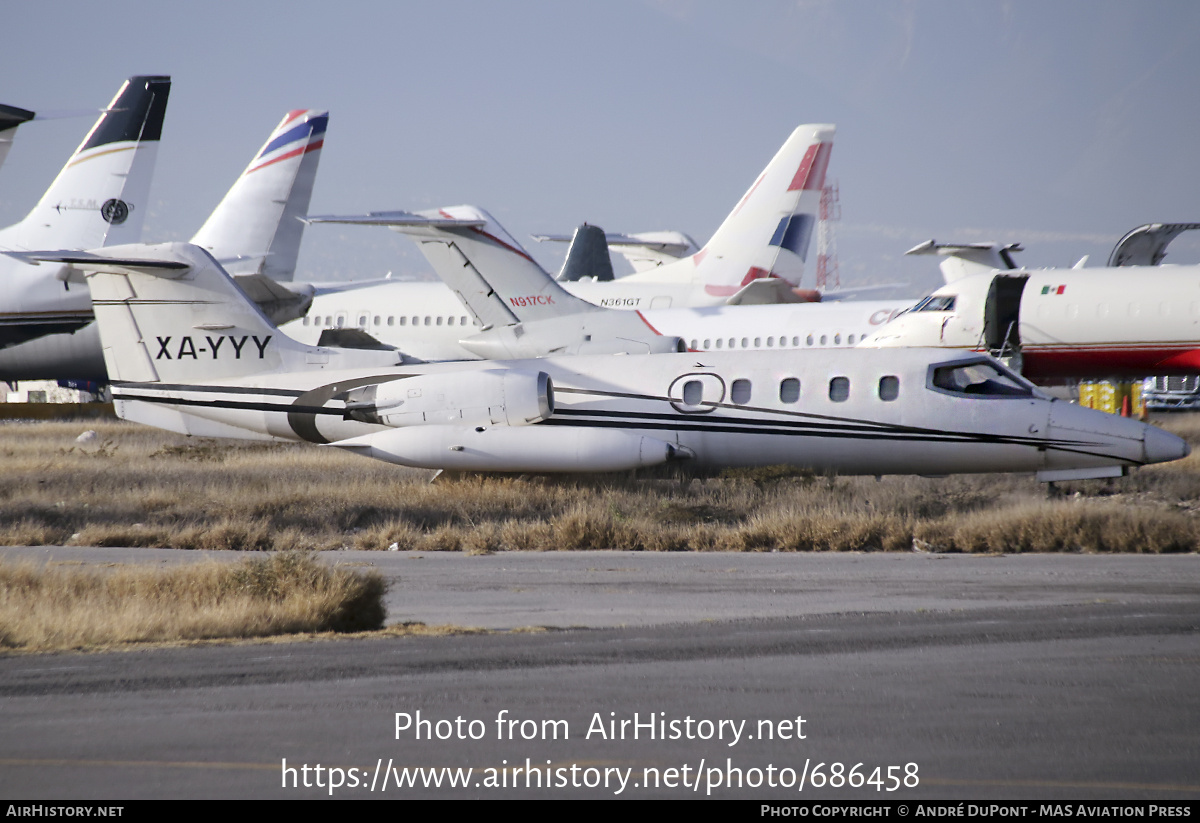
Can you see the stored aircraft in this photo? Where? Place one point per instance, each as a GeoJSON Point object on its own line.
{"type": "Point", "coordinates": [1114, 322]}
{"type": "Point", "coordinates": [514, 308]}
{"type": "Point", "coordinates": [190, 353]}
{"type": "Point", "coordinates": [47, 330]}
{"type": "Point", "coordinates": [757, 255]}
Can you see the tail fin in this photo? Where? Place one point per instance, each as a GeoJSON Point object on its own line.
{"type": "Point", "coordinates": [258, 226]}
{"type": "Point", "coordinates": [644, 250]}
{"type": "Point", "coordinates": [768, 232]}
{"type": "Point", "coordinates": [10, 118]}
{"type": "Point", "coordinates": [169, 313]}
{"type": "Point", "coordinates": [100, 196]}
{"type": "Point", "coordinates": [463, 243]}
{"type": "Point", "coordinates": [587, 257]}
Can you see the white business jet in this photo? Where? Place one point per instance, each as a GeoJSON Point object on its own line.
{"type": "Point", "coordinates": [1113, 322]}
{"type": "Point", "coordinates": [190, 353]}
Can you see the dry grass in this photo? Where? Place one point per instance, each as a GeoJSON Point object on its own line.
{"type": "Point", "coordinates": [43, 609]}
{"type": "Point", "coordinates": [136, 486]}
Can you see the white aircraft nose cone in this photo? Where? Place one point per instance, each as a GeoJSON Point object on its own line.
{"type": "Point", "coordinates": [1162, 446]}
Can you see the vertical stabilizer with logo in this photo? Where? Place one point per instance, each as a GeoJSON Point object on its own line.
{"type": "Point", "coordinates": [100, 196]}
{"type": "Point", "coordinates": [258, 226]}
{"type": "Point", "coordinates": [768, 233]}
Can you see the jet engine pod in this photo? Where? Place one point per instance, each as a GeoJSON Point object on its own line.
{"type": "Point", "coordinates": [496, 397]}
{"type": "Point", "coordinates": [510, 449]}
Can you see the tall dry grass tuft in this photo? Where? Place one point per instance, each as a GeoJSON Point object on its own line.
{"type": "Point", "coordinates": [51, 608]}
{"type": "Point", "coordinates": [140, 487]}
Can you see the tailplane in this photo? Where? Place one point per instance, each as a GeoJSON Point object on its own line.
{"type": "Point", "coordinates": [10, 118]}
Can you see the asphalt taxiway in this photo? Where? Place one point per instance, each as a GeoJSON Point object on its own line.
{"type": "Point", "coordinates": [1039, 676]}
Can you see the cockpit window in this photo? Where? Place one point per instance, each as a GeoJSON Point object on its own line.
{"type": "Point", "coordinates": [982, 379]}
{"type": "Point", "coordinates": [936, 302]}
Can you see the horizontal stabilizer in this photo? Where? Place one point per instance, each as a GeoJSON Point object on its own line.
{"type": "Point", "coordinates": [90, 261]}
{"type": "Point", "coordinates": [1147, 245]}
{"type": "Point", "coordinates": [963, 259]}
{"type": "Point", "coordinates": [398, 220]}
{"type": "Point", "coordinates": [11, 117]}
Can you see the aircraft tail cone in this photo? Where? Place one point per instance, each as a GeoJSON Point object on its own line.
{"type": "Point", "coordinates": [1162, 447]}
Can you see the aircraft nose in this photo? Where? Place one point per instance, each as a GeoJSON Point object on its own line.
{"type": "Point", "coordinates": [1162, 446]}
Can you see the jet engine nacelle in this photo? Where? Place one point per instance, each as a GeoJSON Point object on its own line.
{"type": "Point", "coordinates": [503, 449]}
{"type": "Point", "coordinates": [607, 332]}
{"type": "Point", "coordinates": [492, 397]}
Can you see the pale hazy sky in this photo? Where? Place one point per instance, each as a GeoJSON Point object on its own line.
{"type": "Point", "coordinates": [1057, 123]}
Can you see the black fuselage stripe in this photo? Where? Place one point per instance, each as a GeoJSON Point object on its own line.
{"type": "Point", "coordinates": [717, 426]}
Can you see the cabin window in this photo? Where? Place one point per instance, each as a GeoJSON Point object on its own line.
{"type": "Point", "coordinates": [378, 320]}
{"type": "Point", "coordinates": [850, 340]}
{"type": "Point", "coordinates": [795, 341]}
{"type": "Point", "coordinates": [449, 321]}
{"type": "Point", "coordinates": [758, 342]}
{"type": "Point", "coordinates": [305, 321]}
{"type": "Point", "coordinates": [770, 342]}
{"type": "Point", "coordinates": [341, 321]}
{"type": "Point", "coordinates": [837, 339]}
{"type": "Point", "coordinates": [740, 392]}
{"type": "Point", "coordinates": [982, 379]}
{"type": "Point", "coordinates": [808, 341]}
{"type": "Point", "coordinates": [745, 342]}
{"type": "Point", "coordinates": [708, 344]}
{"type": "Point", "coordinates": [428, 320]}
{"type": "Point", "coordinates": [462, 321]}
{"type": "Point", "coordinates": [416, 321]}
{"type": "Point", "coordinates": [839, 389]}
{"type": "Point", "coordinates": [789, 390]}
{"type": "Point", "coordinates": [362, 320]}
{"type": "Point", "coordinates": [392, 320]}
{"type": "Point", "coordinates": [824, 339]}
{"type": "Point", "coordinates": [693, 392]}
{"type": "Point", "coordinates": [403, 321]}
{"type": "Point", "coordinates": [328, 320]}
{"type": "Point", "coordinates": [693, 347]}
{"type": "Point", "coordinates": [732, 342]}
{"type": "Point", "coordinates": [889, 388]}
{"type": "Point", "coordinates": [936, 302]}
{"type": "Point", "coordinates": [783, 342]}
{"type": "Point", "coordinates": [719, 342]}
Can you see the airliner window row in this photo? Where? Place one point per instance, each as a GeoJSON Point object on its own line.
{"type": "Point", "coordinates": [772, 342]}
{"type": "Point", "coordinates": [366, 320]}
{"type": "Point", "coordinates": [741, 390]}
